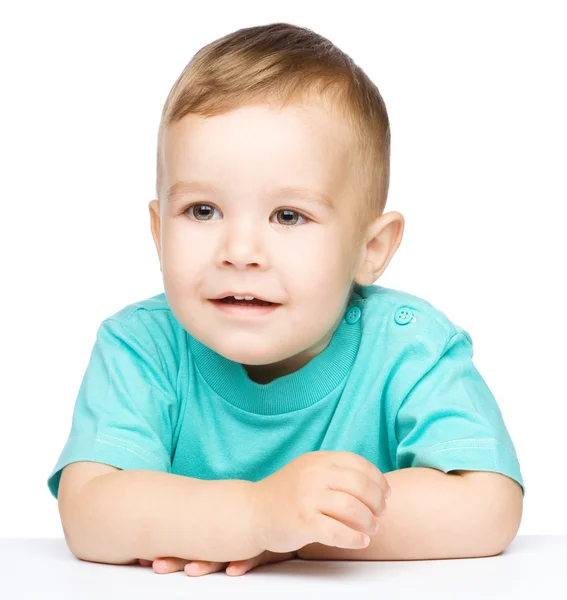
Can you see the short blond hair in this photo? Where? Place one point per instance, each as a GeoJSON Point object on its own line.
{"type": "Point", "coordinates": [280, 62]}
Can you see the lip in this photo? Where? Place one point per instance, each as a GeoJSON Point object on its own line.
{"type": "Point", "coordinates": [239, 310]}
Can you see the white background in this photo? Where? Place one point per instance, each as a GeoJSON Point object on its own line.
{"type": "Point", "coordinates": [476, 96]}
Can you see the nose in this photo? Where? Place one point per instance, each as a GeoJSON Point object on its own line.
{"type": "Point", "coordinates": [242, 248]}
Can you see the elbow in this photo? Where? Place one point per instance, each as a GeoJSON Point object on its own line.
{"type": "Point", "coordinates": [507, 536]}
{"type": "Point", "coordinates": [79, 512]}
{"type": "Point", "coordinates": [74, 545]}
{"type": "Point", "coordinates": [500, 544]}
{"type": "Point", "coordinates": [507, 522]}
{"type": "Point", "coordinates": [88, 549]}
{"type": "Point", "coordinates": [72, 533]}
{"type": "Point", "coordinates": [498, 507]}
{"type": "Point", "coordinates": [86, 534]}
{"type": "Point", "coordinates": [67, 509]}
{"type": "Point", "coordinates": [77, 529]}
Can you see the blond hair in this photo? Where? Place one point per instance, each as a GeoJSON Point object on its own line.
{"type": "Point", "coordinates": [287, 63]}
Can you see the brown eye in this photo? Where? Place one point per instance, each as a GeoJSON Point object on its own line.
{"type": "Point", "coordinates": [203, 210]}
{"type": "Point", "coordinates": [287, 218]}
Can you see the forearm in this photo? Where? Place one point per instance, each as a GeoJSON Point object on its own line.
{"type": "Point", "coordinates": [130, 514]}
{"type": "Point", "coordinates": [430, 515]}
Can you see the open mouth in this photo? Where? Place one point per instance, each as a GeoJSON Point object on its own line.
{"type": "Point", "coordinates": [243, 308]}
{"type": "Point", "coordinates": [233, 300]}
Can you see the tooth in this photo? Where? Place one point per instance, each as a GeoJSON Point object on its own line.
{"type": "Point", "coordinates": [239, 297]}
{"type": "Point", "coordinates": [249, 297]}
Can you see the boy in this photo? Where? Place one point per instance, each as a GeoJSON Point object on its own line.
{"type": "Point", "coordinates": [251, 411]}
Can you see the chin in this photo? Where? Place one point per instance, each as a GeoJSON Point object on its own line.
{"type": "Point", "coordinates": [252, 358]}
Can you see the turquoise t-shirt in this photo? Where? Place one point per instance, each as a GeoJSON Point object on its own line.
{"type": "Point", "coordinates": [396, 384]}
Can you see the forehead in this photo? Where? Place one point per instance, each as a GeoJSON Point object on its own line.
{"type": "Point", "coordinates": [306, 121]}
{"type": "Point", "coordinates": [298, 145]}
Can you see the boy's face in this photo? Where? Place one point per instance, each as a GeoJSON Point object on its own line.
{"type": "Point", "coordinates": [237, 238]}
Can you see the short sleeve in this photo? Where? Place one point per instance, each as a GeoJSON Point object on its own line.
{"type": "Point", "coordinates": [450, 420]}
{"type": "Point", "coordinates": [126, 407]}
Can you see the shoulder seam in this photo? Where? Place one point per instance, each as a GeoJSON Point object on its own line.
{"type": "Point", "coordinates": [158, 363]}
{"type": "Point", "coordinates": [134, 310]}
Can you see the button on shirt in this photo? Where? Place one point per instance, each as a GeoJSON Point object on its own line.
{"type": "Point", "coordinates": [396, 384]}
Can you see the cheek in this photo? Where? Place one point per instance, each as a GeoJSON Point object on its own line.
{"type": "Point", "coordinates": [324, 261]}
{"type": "Point", "coordinates": [183, 245]}
{"type": "Point", "coordinates": [182, 265]}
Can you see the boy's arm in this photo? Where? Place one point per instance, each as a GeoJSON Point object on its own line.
{"type": "Point", "coordinates": [436, 515]}
{"type": "Point", "coordinates": [125, 515]}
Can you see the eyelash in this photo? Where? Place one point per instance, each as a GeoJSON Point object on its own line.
{"type": "Point", "coordinates": [188, 208]}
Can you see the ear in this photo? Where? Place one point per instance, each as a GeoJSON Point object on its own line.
{"type": "Point", "coordinates": [155, 227]}
{"type": "Point", "coordinates": [379, 243]}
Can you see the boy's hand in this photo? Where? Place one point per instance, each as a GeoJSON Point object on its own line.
{"type": "Point", "coordinates": [204, 567]}
{"type": "Point", "coordinates": [330, 497]}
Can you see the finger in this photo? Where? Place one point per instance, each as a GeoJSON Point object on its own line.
{"type": "Point", "coordinates": [144, 562]}
{"type": "Point", "coordinates": [350, 511]}
{"type": "Point", "coordinates": [351, 460]}
{"type": "Point", "coordinates": [362, 489]}
{"type": "Point", "coordinates": [239, 567]}
{"type": "Point", "coordinates": [169, 565]}
{"type": "Point", "coordinates": [332, 532]}
{"type": "Point", "coordinates": [196, 568]}
{"type": "Point", "coordinates": [369, 469]}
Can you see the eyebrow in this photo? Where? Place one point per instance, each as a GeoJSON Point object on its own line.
{"type": "Point", "coordinates": [182, 188]}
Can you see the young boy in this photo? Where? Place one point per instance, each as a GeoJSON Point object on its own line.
{"type": "Point", "coordinates": [250, 412]}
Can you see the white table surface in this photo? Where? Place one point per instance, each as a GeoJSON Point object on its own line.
{"type": "Point", "coordinates": [533, 566]}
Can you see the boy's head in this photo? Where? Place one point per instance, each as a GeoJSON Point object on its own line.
{"type": "Point", "coordinates": [254, 115]}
